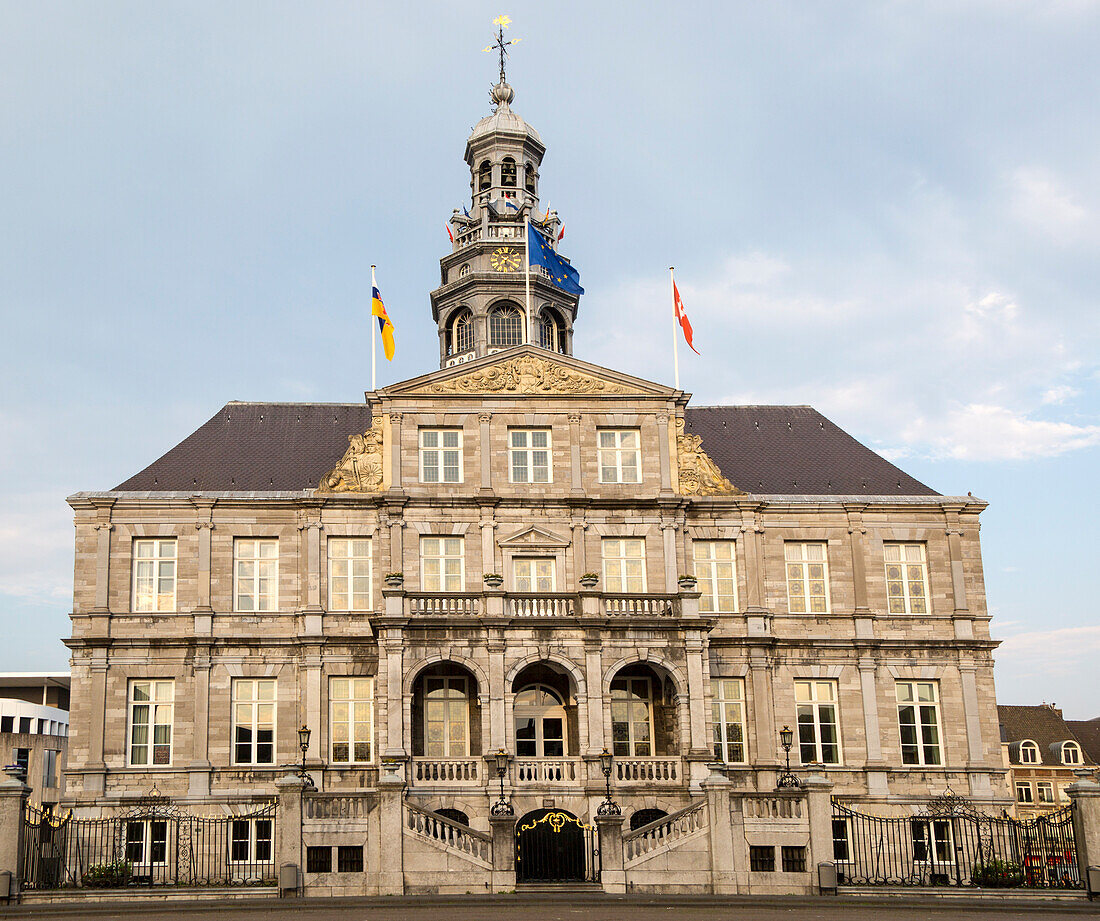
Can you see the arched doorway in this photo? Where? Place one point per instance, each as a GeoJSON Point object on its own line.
{"type": "Point", "coordinates": [554, 846]}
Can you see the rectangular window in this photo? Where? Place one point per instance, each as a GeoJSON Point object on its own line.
{"type": "Point", "coordinates": [25, 724]}
{"type": "Point", "coordinates": [818, 725]}
{"type": "Point", "coordinates": [842, 841]}
{"type": "Point", "coordinates": [150, 708]}
{"type": "Point", "coordinates": [716, 571]}
{"type": "Point", "coordinates": [351, 719]}
{"type": "Point", "coordinates": [807, 577]}
{"type": "Point", "coordinates": [620, 456]}
{"type": "Point", "coordinates": [1023, 792]}
{"type": "Point", "coordinates": [762, 858]}
{"type": "Point", "coordinates": [49, 768]}
{"type": "Point", "coordinates": [349, 574]}
{"type": "Point", "coordinates": [906, 578]}
{"type": "Point", "coordinates": [623, 564]}
{"type": "Point", "coordinates": [23, 761]}
{"type": "Point", "coordinates": [533, 574]}
{"type": "Point", "coordinates": [256, 575]}
{"type": "Point", "coordinates": [446, 716]}
{"type": "Point", "coordinates": [529, 456]}
{"type": "Point", "coordinates": [251, 841]}
{"type": "Point", "coordinates": [794, 858]}
{"type": "Point", "coordinates": [318, 859]}
{"type": "Point", "coordinates": [349, 858]}
{"type": "Point", "coordinates": [728, 715]}
{"type": "Point", "coordinates": [632, 717]}
{"type": "Point", "coordinates": [440, 455]}
{"type": "Point", "coordinates": [931, 841]}
{"type": "Point", "coordinates": [919, 722]}
{"type": "Point", "coordinates": [154, 587]}
{"type": "Point", "coordinates": [253, 720]}
{"type": "Point", "coordinates": [147, 842]}
{"type": "Point", "coordinates": [442, 566]}
{"type": "Point", "coordinates": [1045, 789]}
{"type": "Point", "coordinates": [7, 724]}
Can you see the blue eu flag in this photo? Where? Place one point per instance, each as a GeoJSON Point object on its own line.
{"type": "Point", "coordinates": [561, 272]}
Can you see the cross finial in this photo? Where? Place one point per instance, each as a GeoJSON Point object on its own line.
{"type": "Point", "coordinates": [502, 22]}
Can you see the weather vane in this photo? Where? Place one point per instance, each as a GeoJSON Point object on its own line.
{"type": "Point", "coordinates": [502, 22]}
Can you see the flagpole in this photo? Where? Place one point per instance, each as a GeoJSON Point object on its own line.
{"type": "Point", "coordinates": [527, 272]}
{"type": "Point", "coordinates": [373, 332]}
{"type": "Point", "coordinates": [675, 348]}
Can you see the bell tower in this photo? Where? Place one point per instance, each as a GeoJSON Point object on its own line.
{"type": "Point", "coordinates": [480, 306]}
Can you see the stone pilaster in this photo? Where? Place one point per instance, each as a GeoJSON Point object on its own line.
{"type": "Point", "coordinates": [395, 451]}
{"type": "Point", "coordinates": [200, 767]}
{"type": "Point", "coordinates": [504, 852]}
{"type": "Point", "coordinates": [612, 872]}
{"type": "Point", "coordinates": [593, 677]}
{"type": "Point", "coordinates": [668, 530]}
{"type": "Point", "coordinates": [575, 473]}
{"type": "Point", "coordinates": [820, 810]}
{"type": "Point", "coordinates": [663, 446]}
{"type": "Point", "coordinates": [723, 878]}
{"type": "Point", "coordinates": [288, 823]}
{"type": "Point", "coordinates": [13, 808]}
{"type": "Point", "coordinates": [485, 449]}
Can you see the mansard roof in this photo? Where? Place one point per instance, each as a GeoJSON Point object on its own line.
{"type": "Point", "coordinates": [763, 450]}
{"type": "Point", "coordinates": [1043, 725]}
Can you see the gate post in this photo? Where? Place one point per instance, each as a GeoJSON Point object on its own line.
{"type": "Point", "coordinates": [612, 871]}
{"type": "Point", "coordinates": [391, 787]}
{"type": "Point", "coordinates": [504, 852]}
{"type": "Point", "coordinates": [288, 831]}
{"type": "Point", "coordinates": [722, 878]}
{"type": "Point", "coordinates": [13, 815]}
{"type": "Point", "coordinates": [819, 807]}
{"type": "Point", "coordinates": [1085, 799]}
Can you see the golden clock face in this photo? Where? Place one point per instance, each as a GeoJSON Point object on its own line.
{"type": "Point", "coordinates": [504, 259]}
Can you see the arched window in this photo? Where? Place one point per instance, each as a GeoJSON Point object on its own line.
{"type": "Point", "coordinates": [642, 817]}
{"type": "Point", "coordinates": [464, 270]}
{"type": "Point", "coordinates": [461, 338]}
{"type": "Point", "coordinates": [484, 175]}
{"type": "Point", "coordinates": [551, 331]}
{"type": "Point", "coordinates": [455, 815]}
{"type": "Point", "coordinates": [540, 722]}
{"type": "Point", "coordinates": [1071, 753]}
{"type": "Point", "coordinates": [506, 327]}
{"type": "Point", "coordinates": [1029, 752]}
{"type": "Point", "coordinates": [508, 172]}
{"type": "Point", "coordinates": [529, 176]}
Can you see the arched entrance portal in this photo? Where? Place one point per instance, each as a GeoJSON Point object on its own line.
{"type": "Point", "coordinates": [554, 846]}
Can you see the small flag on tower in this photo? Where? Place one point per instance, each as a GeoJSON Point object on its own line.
{"type": "Point", "coordinates": [561, 235]}
{"type": "Point", "coordinates": [682, 317]}
{"type": "Point", "coordinates": [449, 234]}
{"type": "Point", "coordinates": [378, 309]}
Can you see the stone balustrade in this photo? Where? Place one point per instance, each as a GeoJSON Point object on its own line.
{"type": "Point", "coordinates": [665, 830]}
{"type": "Point", "coordinates": [448, 833]}
{"type": "Point", "coordinates": [774, 807]}
{"type": "Point", "coordinates": [446, 771]}
{"type": "Point", "coordinates": [648, 770]}
{"type": "Point", "coordinates": [336, 805]}
{"type": "Point", "coordinates": [444, 604]}
{"type": "Point", "coordinates": [641, 605]}
{"type": "Point", "coordinates": [542, 605]}
{"type": "Point", "coordinates": [547, 771]}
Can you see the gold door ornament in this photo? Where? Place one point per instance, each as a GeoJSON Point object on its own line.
{"type": "Point", "coordinates": [360, 469]}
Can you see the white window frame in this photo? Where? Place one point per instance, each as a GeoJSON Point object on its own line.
{"type": "Point", "coordinates": [728, 708]}
{"type": "Point", "coordinates": [920, 708]}
{"type": "Point", "coordinates": [710, 573]}
{"type": "Point", "coordinates": [433, 446]}
{"type": "Point", "coordinates": [548, 705]}
{"type": "Point", "coordinates": [265, 569]}
{"type": "Point", "coordinates": [454, 687]}
{"type": "Point", "coordinates": [527, 451]}
{"type": "Point", "coordinates": [618, 559]}
{"type": "Point", "coordinates": [900, 572]}
{"type": "Point", "coordinates": [253, 837]}
{"type": "Point", "coordinates": [434, 563]}
{"type": "Point", "coordinates": [1024, 794]}
{"type": "Point", "coordinates": [846, 823]}
{"type": "Point", "coordinates": [252, 703]}
{"type": "Point", "coordinates": [350, 561]}
{"type": "Point", "coordinates": [149, 561]}
{"type": "Point", "coordinates": [816, 703]}
{"type": "Point", "coordinates": [159, 707]}
{"type": "Point", "coordinates": [610, 457]}
{"type": "Point", "coordinates": [146, 842]}
{"type": "Point", "coordinates": [533, 578]}
{"type": "Point", "coordinates": [1029, 752]}
{"type": "Point", "coordinates": [799, 567]}
{"type": "Point", "coordinates": [937, 839]}
{"type": "Point", "coordinates": [359, 711]}
{"type": "Point", "coordinates": [1047, 787]}
{"type": "Point", "coordinates": [1071, 746]}
{"type": "Point", "coordinates": [625, 701]}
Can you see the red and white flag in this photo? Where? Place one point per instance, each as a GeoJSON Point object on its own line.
{"type": "Point", "coordinates": [682, 317]}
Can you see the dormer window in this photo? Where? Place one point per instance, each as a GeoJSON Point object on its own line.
{"type": "Point", "coordinates": [508, 172]}
{"type": "Point", "coordinates": [529, 177]}
{"type": "Point", "coordinates": [1071, 753]}
{"type": "Point", "coordinates": [1029, 752]}
{"type": "Point", "coordinates": [484, 175]}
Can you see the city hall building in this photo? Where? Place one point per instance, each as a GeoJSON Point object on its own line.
{"type": "Point", "coordinates": [473, 584]}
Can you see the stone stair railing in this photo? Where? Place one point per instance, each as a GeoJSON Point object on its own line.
{"type": "Point", "coordinates": [666, 831]}
{"type": "Point", "coordinates": [430, 826]}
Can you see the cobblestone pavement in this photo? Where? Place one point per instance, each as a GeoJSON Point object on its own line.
{"type": "Point", "coordinates": [569, 908]}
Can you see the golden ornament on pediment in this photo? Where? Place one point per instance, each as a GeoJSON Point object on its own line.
{"type": "Point", "coordinates": [525, 374]}
{"type": "Point", "coordinates": [699, 475]}
{"type": "Point", "coordinates": [360, 469]}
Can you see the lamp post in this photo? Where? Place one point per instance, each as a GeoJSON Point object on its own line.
{"type": "Point", "coordinates": [303, 743]}
{"type": "Point", "coordinates": [787, 780]}
{"type": "Point", "coordinates": [502, 806]}
{"type": "Point", "coordinates": [608, 806]}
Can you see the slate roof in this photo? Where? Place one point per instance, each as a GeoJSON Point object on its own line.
{"type": "Point", "coordinates": [777, 450]}
{"type": "Point", "coordinates": [1044, 726]}
{"type": "Point", "coordinates": [1087, 733]}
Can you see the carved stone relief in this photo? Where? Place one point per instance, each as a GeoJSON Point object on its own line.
{"type": "Point", "coordinates": [525, 374]}
{"type": "Point", "coordinates": [699, 475]}
{"type": "Point", "coordinates": [360, 469]}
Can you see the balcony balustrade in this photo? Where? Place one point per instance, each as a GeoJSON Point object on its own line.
{"type": "Point", "coordinates": [447, 771]}
{"type": "Point", "coordinates": [444, 604]}
{"type": "Point", "coordinates": [542, 605]}
{"type": "Point", "coordinates": [641, 605]}
{"type": "Point", "coordinates": [539, 605]}
{"type": "Point", "coordinates": [658, 770]}
{"type": "Point", "coordinates": [547, 771]}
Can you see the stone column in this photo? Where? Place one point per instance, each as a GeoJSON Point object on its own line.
{"type": "Point", "coordinates": [485, 448]}
{"type": "Point", "coordinates": [391, 665]}
{"type": "Point", "coordinates": [395, 452]}
{"type": "Point", "coordinates": [723, 880]}
{"type": "Point", "coordinates": [576, 478]}
{"type": "Point", "coordinates": [13, 810]}
{"type": "Point", "coordinates": [593, 678]}
{"type": "Point", "coordinates": [391, 870]}
{"type": "Point", "coordinates": [668, 530]}
{"type": "Point", "coordinates": [504, 852]}
{"type": "Point", "coordinates": [697, 692]}
{"type": "Point", "coordinates": [580, 559]}
{"type": "Point", "coordinates": [1085, 798]}
{"type": "Point", "coordinates": [612, 872]}
{"type": "Point", "coordinates": [876, 767]}
{"type": "Point", "coordinates": [497, 692]}
{"type": "Point", "coordinates": [95, 779]}
{"type": "Point", "coordinates": [205, 527]}
{"type": "Point", "coordinates": [288, 825]}
{"type": "Point", "coordinates": [666, 461]}
{"type": "Point", "coordinates": [819, 806]}
{"type": "Point", "coordinates": [864, 624]}
{"type": "Point", "coordinates": [968, 675]}
{"type": "Point", "coordinates": [199, 768]}
{"type": "Point", "coordinates": [103, 566]}
{"type": "Point", "coordinates": [488, 541]}
{"type": "Point", "coordinates": [964, 623]}
{"type": "Point", "coordinates": [313, 565]}
{"type": "Point", "coordinates": [763, 715]}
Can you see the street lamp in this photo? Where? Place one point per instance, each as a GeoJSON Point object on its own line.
{"type": "Point", "coordinates": [608, 806]}
{"type": "Point", "coordinates": [303, 743]}
{"type": "Point", "coordinates": [501, 806]}
{"type": "Point", "coordinates": [787, 779]}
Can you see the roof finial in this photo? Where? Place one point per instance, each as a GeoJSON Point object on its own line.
{"type": "Point", "coordinates": [502, 92]}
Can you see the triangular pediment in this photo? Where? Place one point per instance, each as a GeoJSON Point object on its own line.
{"type": "Point", "coordinates": [526, 370]}
{"type": "Point", "coordinates": [534, 537]}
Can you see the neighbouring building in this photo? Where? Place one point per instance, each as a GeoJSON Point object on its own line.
{"type": "Point", "coordinates": [524, 552]}
{"type": "Point", "coordinates": [34, 730]}
{"type": "Point", "coordinates": [1042, 752]}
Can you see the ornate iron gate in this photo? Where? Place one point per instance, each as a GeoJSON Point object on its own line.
{"type": "Point", "coordinates": [153, 844]}
{"type": "Point", "coordinates": [555, 846]}
{"type": "Point", "coordinates": [952, 844]}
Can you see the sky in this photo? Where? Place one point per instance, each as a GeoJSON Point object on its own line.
{"type": "Point", "coordinates": [889, 210]}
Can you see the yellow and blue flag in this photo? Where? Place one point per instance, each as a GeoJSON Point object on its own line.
{"type": "Point", "coordinates": [378, 309]}
{"type": "Point", "coordinates": [562, 274]}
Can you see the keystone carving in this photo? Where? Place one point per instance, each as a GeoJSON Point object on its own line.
{"type": "Point", "coordinates": [525, 374]}
{"type": "Point", "coordinates": [699, 475]}
{"type": "Point", "coordinates": [360, 469]}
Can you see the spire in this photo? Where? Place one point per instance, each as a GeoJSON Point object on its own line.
{"type": "Point", "coordinates": [502, 22]}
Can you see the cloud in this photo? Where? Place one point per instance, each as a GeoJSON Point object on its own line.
{"type": "Point", "coordinates": [1040, 201]}
{"type": "Point", "coordinates": [1050, 652]}
{"type": "Point", "coordinates": [1059, 394]}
